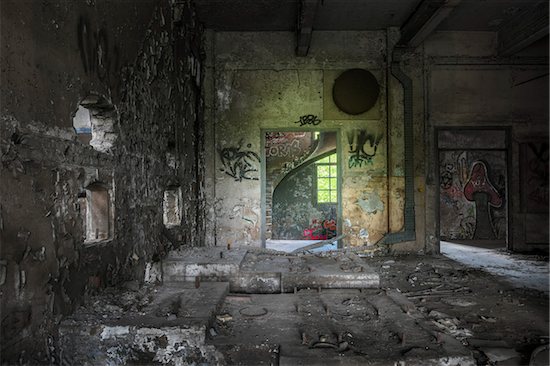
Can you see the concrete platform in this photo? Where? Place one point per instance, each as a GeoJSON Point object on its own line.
{"type": "Point", "coordinates": [209, 263]}
{"type": "Point", "coordinates": [169, 329]}
{"type": "Point", "coordinates": [276, 273]}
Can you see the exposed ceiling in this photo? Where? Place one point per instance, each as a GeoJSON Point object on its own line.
{"type": "Point", "coordinates": [519, 23]}
{"type": "Point", "coordinates": [281, 15]}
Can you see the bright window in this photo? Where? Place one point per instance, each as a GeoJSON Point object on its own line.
{"type": "Point", "coordinates": [327, 179]}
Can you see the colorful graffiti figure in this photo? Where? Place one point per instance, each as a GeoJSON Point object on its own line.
{"type": "Point", "coordinates": [239, 164]}
{"type": "Point", "coordinates": [480, 190]}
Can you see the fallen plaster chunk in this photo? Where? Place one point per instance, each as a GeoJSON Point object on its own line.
{"type": "Point", "coordinates": [117, 331]}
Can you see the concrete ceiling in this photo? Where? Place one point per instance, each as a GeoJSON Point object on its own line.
{"type": "Point", "coordinates": [281, 15]}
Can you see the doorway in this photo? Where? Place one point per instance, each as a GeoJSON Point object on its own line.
{"type": "Point", "coordinates": [473, 185]}
{"type": "Point", "coordinates": [301, 190]}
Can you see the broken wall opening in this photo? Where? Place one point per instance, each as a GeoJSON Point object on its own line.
{"type": "Point", "coordinates": [94, 123]}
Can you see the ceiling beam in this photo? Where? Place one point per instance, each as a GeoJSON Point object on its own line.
{"type": "Point", "coordinates": [306, 17]}
{"type": "Point", "coordinates": [523, 29]}
{"type": "Point", "coordinates": [423, 21]}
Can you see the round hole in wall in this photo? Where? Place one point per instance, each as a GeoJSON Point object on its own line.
{"type": "Point", "coordinates": [94, 122]}
{"type": "Point", "coordinates": [355, 91]}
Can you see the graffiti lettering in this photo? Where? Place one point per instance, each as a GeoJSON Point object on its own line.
{"type": "Point", "coordinates": [239, 164]}
{"type": "Point", "coordinates": [358, 143]}
{"type": "Point", "coordinates": [284, 149]}
{"type": "Point", "coordinates": [446, 178]}
{"type": "Point", "coordinates": [308, 119]}
{"type": "Point", "coordinates": [95, 52]}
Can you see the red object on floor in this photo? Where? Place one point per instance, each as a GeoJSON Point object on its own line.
{"type": "Point", "coordinates": [311, 235]}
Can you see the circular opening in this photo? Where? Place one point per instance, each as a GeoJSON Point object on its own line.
{"type": "Point", "coordinates": [355, 91]}
{"type": "Point", "coordinates": [94, 123]}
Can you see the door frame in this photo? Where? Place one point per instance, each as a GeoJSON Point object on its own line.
{"type": "Point", "coordinates": [263, 170]}
{"type": "Point", "coordinates": [507, 153]}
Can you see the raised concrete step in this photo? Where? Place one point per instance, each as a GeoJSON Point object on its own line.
{"type": "Point", "coordinates": [209, 264]}
{"type": "Point", "coordinates": [263, 271]}
{"type": "Point", "coordinates": [125, 329]}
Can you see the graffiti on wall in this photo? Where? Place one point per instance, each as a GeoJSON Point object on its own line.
{"type": "Point", "coordinates": [284, 149]}
{"type": "Point", "coordinates": [247, 211]}
{"type": "Point", "coordinates": [238, 163]}
{"type": "Point", "coordinates": [362, 147]}
{"type": "Point", "coordinates": [308, 119]}
{"type": "Point", "coordinates": [272, 138]}
{"type": "Point", "coordinates": [472, 191]}
{"type": "Point", "coordinates": [97, 56]}
{"type": "Point", "coordinates": [480, 190]}
{"type": "Point", "coordinates": [535, 176]}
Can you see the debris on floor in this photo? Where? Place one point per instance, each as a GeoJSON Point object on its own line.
{"type": "Point", "coordinates": [257, 307]}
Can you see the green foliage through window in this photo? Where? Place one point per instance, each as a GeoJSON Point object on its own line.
{"type": "Point", "coordinates": [327, 179]}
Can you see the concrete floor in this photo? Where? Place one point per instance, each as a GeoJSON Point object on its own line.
{"type": "Point", "coordinates": [255, 306]}
{"type": "Point", "coordinates": [523, 271]}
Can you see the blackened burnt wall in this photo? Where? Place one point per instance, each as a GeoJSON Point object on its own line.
{"type": "Point", "coordinates": [144, 60]}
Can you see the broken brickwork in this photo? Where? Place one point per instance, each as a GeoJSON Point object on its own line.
{"type": "Point", "coordinates": [142, 62]}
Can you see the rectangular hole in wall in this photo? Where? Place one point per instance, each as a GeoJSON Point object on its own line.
{"type": "Point", "coordinates": [172, 207]}
{"type": "Point", "coordinates": [98, 214]}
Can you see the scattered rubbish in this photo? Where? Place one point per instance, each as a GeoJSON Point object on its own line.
{"type": "Point", "coordinates": [437, 292]}
{"type": "Point", "coordinates": [458, 302]}
{"type": "Point", "coordinates": [224, 318]}
{"type": "Point", "coordinates": [450, 326]}
{"type": "Point", "coordinates": [213, 332]}
{"type": "Point", "coordinates": [438, 315]}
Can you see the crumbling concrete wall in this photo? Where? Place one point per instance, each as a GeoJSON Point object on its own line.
{"type": "Point", "coordinates": [143, 59]}
{"type": "Point", "coordinates": [468, 86]}
{"type": "Point", "coordinates": [259, 83]}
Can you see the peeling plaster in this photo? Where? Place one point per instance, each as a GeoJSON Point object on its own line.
{"type": "Point", "coordinates": [371, 204]}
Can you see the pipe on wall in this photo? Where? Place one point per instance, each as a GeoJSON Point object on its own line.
{"type": "Point", "coordinates": [408, 233]}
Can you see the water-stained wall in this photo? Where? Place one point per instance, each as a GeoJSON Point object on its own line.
{"type": "Point", "coordinates": [258, 83]}
{"type": "Point", "coordinates": [142, 60]}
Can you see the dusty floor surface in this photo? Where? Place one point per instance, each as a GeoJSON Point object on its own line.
{"type": "Point", "coordinates": [429, 310]}
{"type": "Point", "coordinates": [497, 314]}
{"type": "Point", "coordinates": [522, 270]}
{"type": "Point", "coordinates": [499, 324]}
